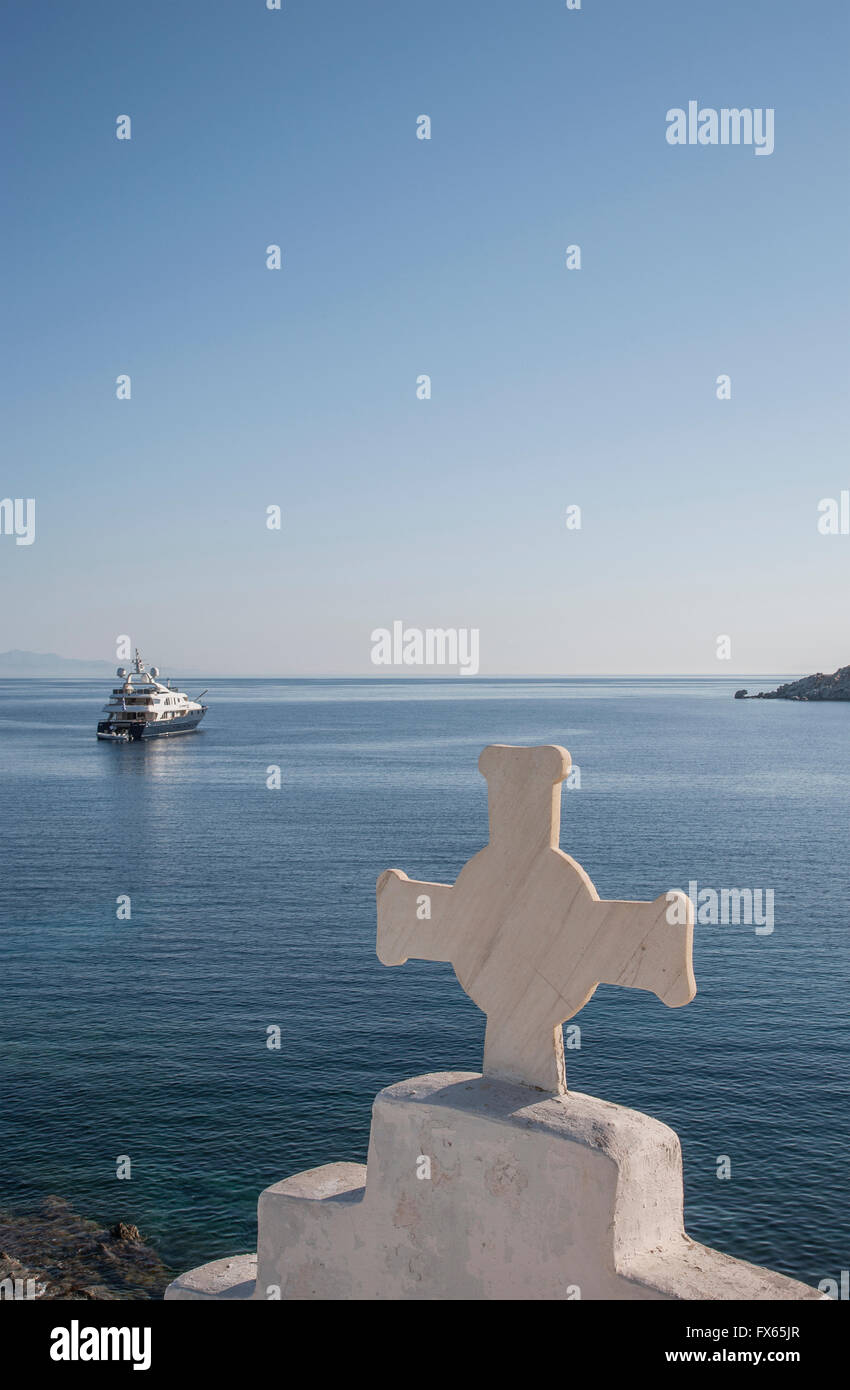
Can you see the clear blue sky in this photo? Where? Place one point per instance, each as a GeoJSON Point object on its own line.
{"type": "Point", "coordinates": [401, 257]}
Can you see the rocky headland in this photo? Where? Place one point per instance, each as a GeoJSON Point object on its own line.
{"type": "Point", "coordinates": [819, 687]}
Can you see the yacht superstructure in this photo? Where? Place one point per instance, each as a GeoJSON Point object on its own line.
{"type": "Point", "coordinates": [144, 707]}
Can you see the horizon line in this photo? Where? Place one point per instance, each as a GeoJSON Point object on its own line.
{"type": "Point", "coordinates": [453, 678]}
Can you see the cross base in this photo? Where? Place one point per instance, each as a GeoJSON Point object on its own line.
{"type": "Point", "coordinates": [521, 1197]}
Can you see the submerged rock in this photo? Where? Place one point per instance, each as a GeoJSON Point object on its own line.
{"type": "Point", "coordinates": [50, 1252]}
{"type": "Point", "coordinates": [120, 1231]}
{"type": "Point", "coordinates": [817, 687]}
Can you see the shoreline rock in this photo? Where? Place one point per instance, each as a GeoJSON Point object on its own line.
{"type": "Point", "coordinates": [817, 687]}
{"type": "Point", "coordinates": [49, 1251]}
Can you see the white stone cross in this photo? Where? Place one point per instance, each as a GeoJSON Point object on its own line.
{"type": "Point", "coordinates": [526, 931]}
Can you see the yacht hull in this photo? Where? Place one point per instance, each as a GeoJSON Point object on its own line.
{"type": "Point", "coordinates": [167, 728]}
{"type": "Point", "coordinates": [160, 728]}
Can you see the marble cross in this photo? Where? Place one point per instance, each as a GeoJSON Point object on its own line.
{"type": "Point", "coordinates": [526, 931]}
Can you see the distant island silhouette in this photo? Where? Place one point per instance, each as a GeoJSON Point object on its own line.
{"type": "Point", "coordinates": [817, 687]}
{"type": "Point", "coordinates": [21, 663]}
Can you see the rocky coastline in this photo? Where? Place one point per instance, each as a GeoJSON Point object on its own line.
{"type": "Point", "coordinates": [51, 1252]}
{"type": "Point", "coordinates": [818, 687]}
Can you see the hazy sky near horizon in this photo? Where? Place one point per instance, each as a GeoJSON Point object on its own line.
{"type": "Point", "coordinates": [402, 257]}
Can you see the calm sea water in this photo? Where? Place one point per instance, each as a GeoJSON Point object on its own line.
{"type": "Point", "coordinates": [253, 907]}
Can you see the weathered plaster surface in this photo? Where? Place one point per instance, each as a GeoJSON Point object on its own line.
{"type": "Point", "coordinates": [530, 1197]}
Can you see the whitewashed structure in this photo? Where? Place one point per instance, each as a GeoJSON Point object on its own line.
{"type": "Point", "coordinates": [504, 1185]}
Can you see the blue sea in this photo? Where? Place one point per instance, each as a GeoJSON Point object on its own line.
{"type": "Point", "coordinates": [254, 908]}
